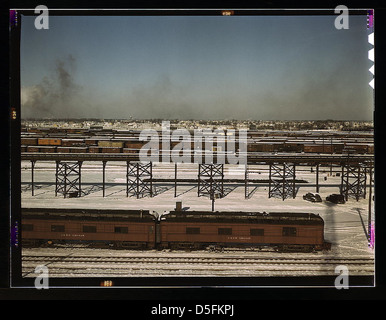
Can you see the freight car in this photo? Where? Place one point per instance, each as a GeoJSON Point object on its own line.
{"type": "Point", "coordinates": [175, 230]}
{"type": "Point", "coordinates": [49, 142]}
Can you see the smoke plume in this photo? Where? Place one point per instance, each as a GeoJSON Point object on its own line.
{"type": "Point", "coordinates": [56, 96]}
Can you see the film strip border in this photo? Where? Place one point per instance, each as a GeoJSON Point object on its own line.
{"type": "Point", "coordinates": [370, 25]}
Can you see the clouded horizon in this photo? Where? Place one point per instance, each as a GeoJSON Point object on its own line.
{"type": "Point", "coordinates": [196, 67]}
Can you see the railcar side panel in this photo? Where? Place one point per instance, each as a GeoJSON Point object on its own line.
{"type": "Point", "coordinates": [176, 230]}
{"type": "Point", "coordinates": [89, 231]}
{"type": "Point", "coordinates": [241, 233]}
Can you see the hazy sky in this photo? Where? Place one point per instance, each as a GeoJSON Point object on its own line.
{"type": "Point", "coordinates": [196, 67]}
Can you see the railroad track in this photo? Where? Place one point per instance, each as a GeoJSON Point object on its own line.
{"type": "Point", "coordinates": [60, 265]}
{"type": "Point", "coordinates": [217, 260]}
{"type": "Point", "coordinates": [253, 157]}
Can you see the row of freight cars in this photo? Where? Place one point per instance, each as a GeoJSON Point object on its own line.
{"type": "Point", "coordinates": [104, 145]}
{"type": "Point", "coordinates": [99, 130]}
{"type": "Point", "coordinates": [311, 147]}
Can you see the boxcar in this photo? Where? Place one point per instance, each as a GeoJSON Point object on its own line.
{"type": "Point", "coordinates": [280, 231]}
{"type": "Point", "coordinates": [29, 141]}
{"type": "Point", "coordinates": [121, 229]}
{"type": "Point", "coordinates": [110, 144]}
{"type": "Point", "coordinates": [93, 149]}
{"type": "Point", "coordinates": [318, 148]}
{"type": "Point", "coordinates": [72, 142]}
{"type": "Point", "coordinates": [32, 148]}
{"type": "Point", "coordinates": [49, 142]}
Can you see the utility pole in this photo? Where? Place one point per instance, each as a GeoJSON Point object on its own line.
{"type": "Point", "coordinates": [175, 179]}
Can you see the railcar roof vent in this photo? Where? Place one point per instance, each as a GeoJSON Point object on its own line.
{"type": "Point", "coordinates": [178, 206]}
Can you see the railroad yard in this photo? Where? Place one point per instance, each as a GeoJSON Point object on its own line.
{"type": "Point", "coordinates": [346, 225]}
{"type": "Point", "coordinates": [82, 262]}
{"type": "Point", "coordinates": [192, 148]}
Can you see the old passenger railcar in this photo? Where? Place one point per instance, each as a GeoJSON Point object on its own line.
{"type": "Point", "coordinates": [124, 228]}
{"type": "Point", "coordinates": [177, 230]}
{"type": "Point", "coordinates": [281, 231]}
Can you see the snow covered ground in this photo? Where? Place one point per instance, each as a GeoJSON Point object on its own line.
{"type": "Point", "coordinates": [346, 224]}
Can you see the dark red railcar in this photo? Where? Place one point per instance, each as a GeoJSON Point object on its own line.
{"type": "Point", "coordinates": [176, 230]}
{"type": "Point", "coordinates": [120, 228]}
{"type": "Point", "coordinates": [279, 230]}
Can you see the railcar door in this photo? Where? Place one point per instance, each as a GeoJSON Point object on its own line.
{"type": "Point", "coordinates": [157, 233]}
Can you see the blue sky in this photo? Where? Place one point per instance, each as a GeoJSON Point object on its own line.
{"type": "Point", "coordinates": [201, 67]}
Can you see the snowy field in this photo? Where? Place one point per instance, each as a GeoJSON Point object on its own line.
{"type": "Point", "coordinates": [346, 225]}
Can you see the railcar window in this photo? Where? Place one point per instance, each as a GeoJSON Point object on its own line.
{"type": "Point", "coordinates": [90, 229]}
{"type": "Point", "coordinates": [191, 230]}
{"type": "Point", "coordinates": [57, 228]}
{"type": "Point", "coordinates": [27, 227]}
{"type": "Point", "coordinates": [225, 231]}
{"type": "Point", "coordinates": [289, 231]}
{"type": "Point", "coordinates": [257, 232]}
{"type": "Point", "coordinates": [121, 230]}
